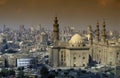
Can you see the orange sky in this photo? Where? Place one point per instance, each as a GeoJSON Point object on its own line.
{"type": "Point", "coordinates": [70, 12]}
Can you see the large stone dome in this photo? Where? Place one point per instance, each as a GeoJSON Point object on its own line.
{"type": "Point", "coordinates": [76, 39]}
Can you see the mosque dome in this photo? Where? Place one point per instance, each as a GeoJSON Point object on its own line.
{"type": "Point", "coordinates": [76, 39]}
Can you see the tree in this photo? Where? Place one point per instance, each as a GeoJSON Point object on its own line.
{"type": "Point", "coordinates": [20, 74]}
{"type": "Point", "coordinates": [11, 72]}
{"type": "Point", "coordinates": [20, 68]}
{"type": "Point", "coordinates": [44, 72]}
{"type": "Point", "coordinates": [4, 72]}
{"type": "Point", "coordinates": [51, 76]}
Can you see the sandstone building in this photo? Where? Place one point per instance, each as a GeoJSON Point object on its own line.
{"type": "Point", "coordinates": [77, 52]}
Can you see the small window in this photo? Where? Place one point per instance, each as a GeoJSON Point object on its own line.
{"type": "Point", "coordinates": [74, 65]}
{"type": "Point", "coordinates": [99, 51]}
{"type": "Point", "coordinates": [72, 45]}
{"type": "Point", "coordinates": [61, 59]}
{"type": "Point", "coordinates": [61, 63]}
{"type": "Point", "coordinates": [83, 65]}
{"type": "Point", "coordinates": [61, 52]}
{"type": "Point", "coordinates": [110, 63]}
{"type": "Point", "coordinates": [83, 57]}
{"type": "Point", "coordinates": [62, 56]}
{"type": "Point", "coordinates": [83, 45]}
{"type": "Point", "coordinates": [74, 58]}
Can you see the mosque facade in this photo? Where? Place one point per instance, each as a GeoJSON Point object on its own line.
{"type": "Point", "coordinates": [78, 53]}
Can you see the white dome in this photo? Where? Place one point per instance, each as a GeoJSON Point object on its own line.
{"type": "Point", "coordinates": [76, 39]}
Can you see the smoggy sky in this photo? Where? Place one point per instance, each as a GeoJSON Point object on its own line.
{"type": "Point", "coordinates": [70, 12]}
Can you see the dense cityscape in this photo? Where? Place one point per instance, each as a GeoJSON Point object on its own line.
{"type": "Point", "coordinates": [66, 52]}
{"type": "Point", "coordinates": [59, 39]}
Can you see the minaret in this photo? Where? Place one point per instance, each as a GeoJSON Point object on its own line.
{"type": "Point", "coordinates": [97, 32]}
{"type": "Point", "coordinates": [104, 32]}
{"type": "Point", "coordinates": [90, 34]}
{"type": "Point", "coordinates": [56, 30]}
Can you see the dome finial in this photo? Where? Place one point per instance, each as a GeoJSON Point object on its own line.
{"type": "Point", "coordinates": [56, 20]}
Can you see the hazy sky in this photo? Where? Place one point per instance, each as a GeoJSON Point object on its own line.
{"type": "Point", "coordinates": [70, 12]}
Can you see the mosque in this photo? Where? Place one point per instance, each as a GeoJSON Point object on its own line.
{"type": "Point", "coordinates": [78, 53]}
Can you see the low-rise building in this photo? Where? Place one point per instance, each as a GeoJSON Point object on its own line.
{"type": "Point", "coordinates": [24, 62]}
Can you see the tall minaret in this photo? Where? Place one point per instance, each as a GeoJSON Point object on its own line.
{"type": "Point", "coordinates": [56, 30]}
{"type": "Point", "coordinates": [97, 31]}
{"type": "Point", "coordinates": [90, 35]}
{"type": "Point", "coordinates": [104, 32]}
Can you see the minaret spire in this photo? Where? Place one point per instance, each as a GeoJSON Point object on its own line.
{"type": "Point", "coordinates": [104, 31]}
{"type": "Point", "coordinates": [90, 33]}
{"type": "Point", "coordinates": [56, 29]}
{"type": "Point", "coordinates": [97, 31]}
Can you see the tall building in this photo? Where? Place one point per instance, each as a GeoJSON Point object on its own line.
{"type": "Point", "coordinates": [78, 53]}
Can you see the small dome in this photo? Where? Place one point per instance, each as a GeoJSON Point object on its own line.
{"type": "Point", "coordinates": [43, 33]}
{"type": "Point", "coordinates": [76, 39]}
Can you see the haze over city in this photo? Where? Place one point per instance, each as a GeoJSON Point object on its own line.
{"type": "Point", "coordinates": [59, 39]}
{"type": "Point", "coordinates": [71, 13]}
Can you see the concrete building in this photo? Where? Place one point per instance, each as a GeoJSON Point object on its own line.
{"type": "Point", "coordinates": [78, 53]}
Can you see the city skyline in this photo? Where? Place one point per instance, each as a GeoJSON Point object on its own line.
{"type": "Point", "coordinates": [70, 13]}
